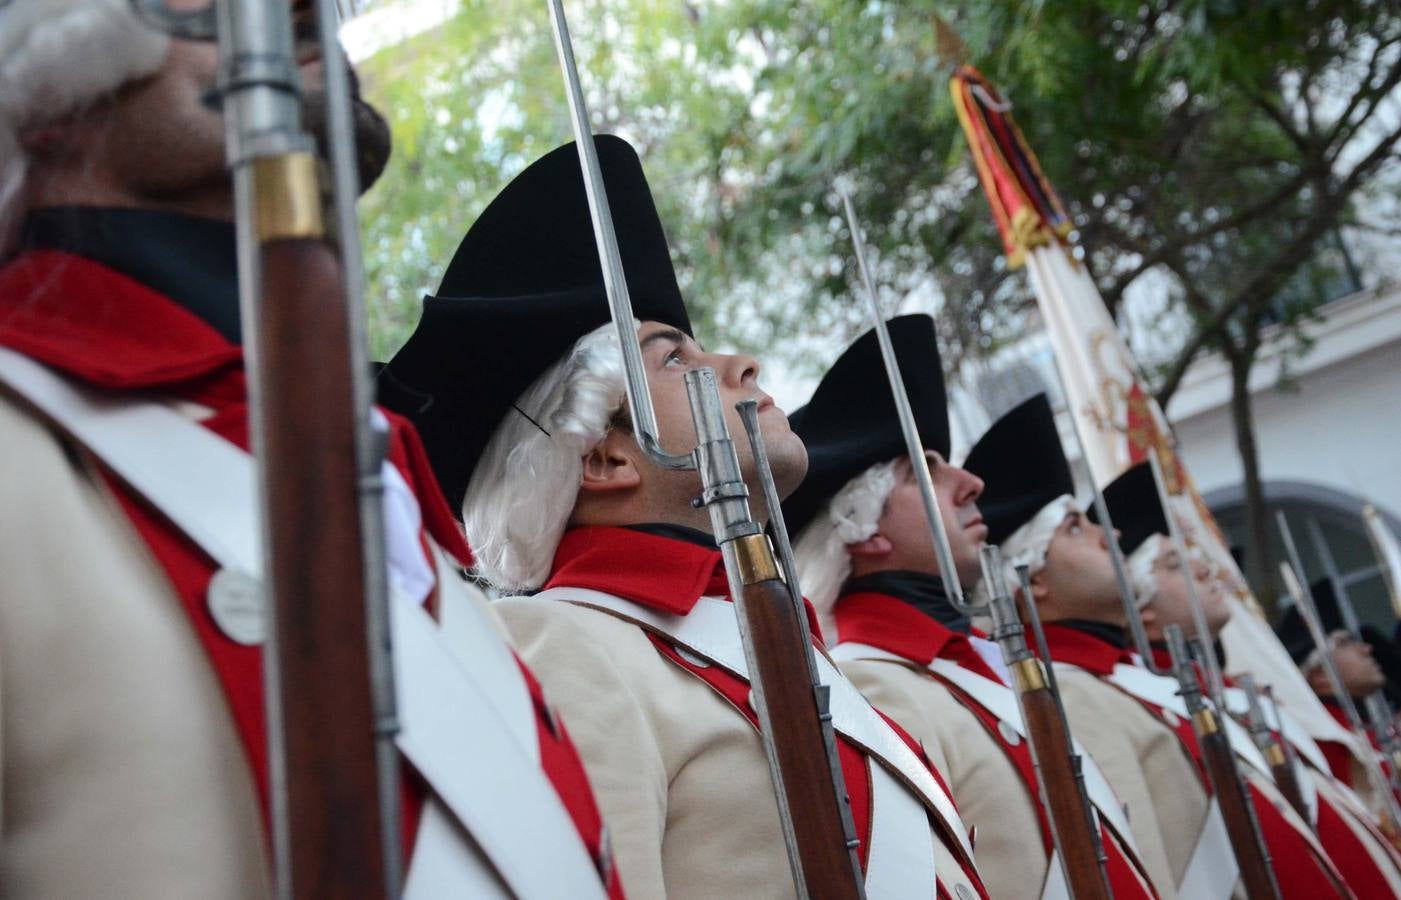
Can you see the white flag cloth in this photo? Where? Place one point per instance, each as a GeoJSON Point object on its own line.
{"type": "Point", "coordinates": [1121, 423]}
{"type": "Point", "coordinates": [1118, 419]}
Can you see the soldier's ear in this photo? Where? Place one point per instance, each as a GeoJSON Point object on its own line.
{"type": "Point", "coordinates": [874, 547]}
{"type": "Point", "coordinates": [1039, 589]}
{"type": "Point", "coordinates": [609, 467]}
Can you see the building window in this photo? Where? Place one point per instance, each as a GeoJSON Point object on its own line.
{"type": "Point", "coordinates": [1332, 541]}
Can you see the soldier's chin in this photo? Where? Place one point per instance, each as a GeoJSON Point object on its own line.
{"type": "Point", "coordinates": [372, 138]}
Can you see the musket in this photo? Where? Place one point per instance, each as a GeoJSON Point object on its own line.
{"type": "Point", "coordinates": [1388, 555]}
{"type": "Point", "coordinates": [1074, 827]}
{"type": "Point", "coordinates": [1227, 790]}
{"type": "Point", "coordinates": [1292, 573]}
{"type": "Point", "coordinates": [1379, 721]}
{"type": "Point", "coordinates": [787, 693]}
{"type": "Point", "coordinates": [1273, 748]}
{"type": "Point", "coordinates": [334, 777]}
{"type": "Point", "coordinates": [1247, 839]}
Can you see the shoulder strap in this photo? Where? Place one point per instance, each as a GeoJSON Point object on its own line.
{"type": "Point", "coordinates": [1163, 692]}
{"type": "Point", "coordinates": [711, 631]}
{"type": "Point", "coordinates": [206, 487]}
{"type": "Point", "coordinates": [1001, 701]}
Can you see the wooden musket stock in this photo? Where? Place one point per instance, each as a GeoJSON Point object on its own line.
{"type": "Point", "coordinates": [796, 728]}
{"type": "Point", "coordinates": [317, 573]}
{"type": "Point", "coordinates": [1286, 777]}
{"type": "Point", "coordinates": [1231, 794]}
{"type": "Point", "coordinates": [1065, 803]}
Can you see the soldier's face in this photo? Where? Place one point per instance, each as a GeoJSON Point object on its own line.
{"type": "Point", "coordinates": [159, 142]}
{"type": "Point", "coordinates": [904, 524]}
{"type": "Point", "coordinates": [1172, 604]}
{"type": "Point", "coordinates": [668, 355]}
{"type": "Point", "coordinates": [1359, 671]}
{"type": "Point", "coordinates": [1078, 576]}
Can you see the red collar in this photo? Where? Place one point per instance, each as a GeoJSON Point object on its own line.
{"type": "Point", "coordinates": [111, 331]}
{"type": "Point", "coordinates": [883, 621]}
{"type": "Point", "coordinates": [103, 327]}
{"type": "Point", "coordinates": [1070, 645]}
{"type": "Point", "coordinates": [660, 572]}
{"type": "Point", "coordinates": [667, 574]}
{"type": "Point", "coordinates": [891, 624]}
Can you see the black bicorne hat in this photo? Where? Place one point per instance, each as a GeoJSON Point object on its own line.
{"type": "Point", "coordinates": [523, 287]}
{"type": "Point", "coordinates": [1134, 506]}
{"type": "Point", "coordinates": [850, 424]}
{"type": "Point", "coordinates": [1022, 466]}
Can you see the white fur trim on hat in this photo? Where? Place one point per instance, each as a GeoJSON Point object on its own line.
{"type": "Point", "coordinates": [57, 56]}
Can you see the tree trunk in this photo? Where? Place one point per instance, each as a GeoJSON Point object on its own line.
{"type": "Point", "coordinates": [1258, 570]}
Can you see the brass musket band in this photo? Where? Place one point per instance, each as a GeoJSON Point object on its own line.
{"type": "Point", "coordinates": [287, 197]}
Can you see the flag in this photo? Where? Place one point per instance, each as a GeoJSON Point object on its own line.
{"type": "Point", "coordinates": [1119, 421]}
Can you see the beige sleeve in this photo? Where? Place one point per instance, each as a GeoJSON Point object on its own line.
{"type": "Point", "coordinates": [1106, 729]}
{"type": "Point", "coordinates": [580, 657]}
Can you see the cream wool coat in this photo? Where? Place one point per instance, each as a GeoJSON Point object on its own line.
{"type": "Point", "coordinates": [1146, 765]}
{"type": "Point", "coordinates": [985, 784]}
{"type": "Point", "coordinates": [123, 774]}
{"type": "Point", "coordinates": [680, 775]}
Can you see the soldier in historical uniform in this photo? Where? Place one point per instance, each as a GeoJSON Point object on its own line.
{"type": "Point", "coordinates": [515, 377]}
{"type": "Point", "coordinates": [1359, 670]}
{"type": "Point", "coordinates": [133, 731]}
{"type": "Point", "coordinates": [1131, 720]}
{"type": "Point", "coordinates": [867, 563]}
{"type": "Point", "coordinates": [1345, 829]}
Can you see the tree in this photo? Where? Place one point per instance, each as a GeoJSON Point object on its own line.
{"type": "Point", "coordinates": [1205, 147]}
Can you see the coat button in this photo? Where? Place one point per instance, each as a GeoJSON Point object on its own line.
{"type": "Point", "coordinates": [1009, 734]}
{"type": "Point", "coordinates": [238, 605]}
{"type": "Point", "coordinates": [1171, 719]}
{"type": "Point", "coordinates": [964, 892]}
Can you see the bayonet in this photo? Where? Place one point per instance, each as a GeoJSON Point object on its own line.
{"type": "Point", "coordinates": [789, 700]}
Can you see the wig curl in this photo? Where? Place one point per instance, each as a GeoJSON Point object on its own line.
{"type": "Point", "coordinates": [523, 489]}
{"type": "Point", "coordinates": [851, 516]}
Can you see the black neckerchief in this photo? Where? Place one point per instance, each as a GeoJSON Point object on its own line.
{"type": "Point", "coordinates": [191, 260]}
{"type": "Point", "coordinates": [1106, 631]}
{"type": "Point", "coordinates": [676, 533]}
{"type": "Point", "coordinates": [1216, 645]}
{"type": "Point", "coordinates": [924, 592]}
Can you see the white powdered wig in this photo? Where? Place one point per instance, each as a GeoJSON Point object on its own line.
{"type": "Point", "coordinates": [525, 485]}
{"type": "Point", "coordinates": [851, 516]}
{"type": "Point", "coordinates": [57, 56]}
{"type": "Point", "coordinates": [1027, 545]}
{"type": "Point", "coordinates": [1142, 576]}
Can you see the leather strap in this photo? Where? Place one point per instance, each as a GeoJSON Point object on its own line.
{"type": "Point", "coordinates": [480, 761]}
{"type": "Point", "coordinates": [1162, 691]}
{"type": "Point", "coordinates": [1002, 702]}
{"type": "Point", "coordinates": [711, 631]}
{"type": "Point", "coordinates": [1212, 871]}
